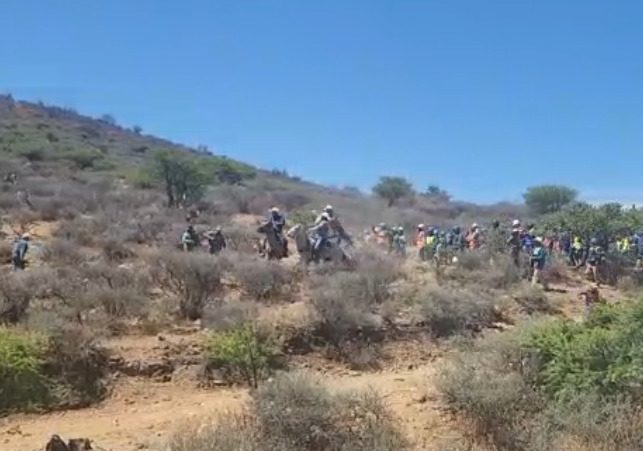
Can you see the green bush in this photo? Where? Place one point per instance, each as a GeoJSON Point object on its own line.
{"type": "Point", "coordinates": [240, 353]}
{"type": "Point", "coordinates": [602, 356]}
{"type": "Point", "coordinates": [552, 384]}
{"type": "Point", "coordinates": [22, 361]}
{"type": "Point", "coordinates": [84, 158]}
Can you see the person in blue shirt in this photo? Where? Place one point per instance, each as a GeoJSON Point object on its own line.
{"type": "Point", "coordinates": [19, 255]}
{"type": "Point", "coordinates": [637, 242]}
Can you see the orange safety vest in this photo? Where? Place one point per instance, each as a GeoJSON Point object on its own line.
{"type": "Point", "coordinates": [419, 240]}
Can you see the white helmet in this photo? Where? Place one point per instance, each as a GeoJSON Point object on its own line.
{"type": "Point", "coordinates": [25, 236]}
{"type": "Point", "coordinates": [274, 210]}
{"type": "Point", "coordinates": [325, 217]}
{"type": "Point", "coordinates": [328, 208]}
{"type": "Point", "coordinates": [516, 223]}
{"type": "Point", "coordinates": [474, 225]}
{"type": "Point", "coordinates": [420, 226]}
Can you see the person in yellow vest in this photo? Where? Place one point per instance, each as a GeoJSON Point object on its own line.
{"type": "Point", "coordinates": [577, 251]}
{"type": "Point", "coordinates": [625, 245]}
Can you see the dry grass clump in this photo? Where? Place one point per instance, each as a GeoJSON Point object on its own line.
{"type": "Point", "coordinates": [17, 290]}
{"type": "Point", "coordinates": [192, 280]}
{"type": "Point", "coordinates": [456, 311]}
{"type": "Point", "coordinates": [294, 412]}
{"type": "Point", "coordinates": [345, 308]}
{"type": "Point", "coordinates": [533, 299]}
{"type": "Point", "coordinates": [259, 278]}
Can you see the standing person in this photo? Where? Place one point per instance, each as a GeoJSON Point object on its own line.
{"type": "Point", "coordinates": [189, 239]}
{"type": "Point", "coordinates": [19, 256]}
{"type": "Point", "coordinates": [216, 241]}
{"type": "Point", "coordinates": [595, 258]}
{"type": "Point", "coordinates": [320, 231]}
{"type": "Point", "coordinates": [537, 258]}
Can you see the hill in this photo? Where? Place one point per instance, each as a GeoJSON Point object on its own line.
{"type": "Point", "coordinates": [64, 159]}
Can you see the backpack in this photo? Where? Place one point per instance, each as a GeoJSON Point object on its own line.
{"type": "Point", "coordinates": [538, 252]}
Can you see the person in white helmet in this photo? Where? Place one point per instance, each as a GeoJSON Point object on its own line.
{"type": "Point", "coordinates": [278, 222]}
{"type": "Point", "coordinates": [19, 255]}
{"type": "Point", "coordinates": [320, 231]}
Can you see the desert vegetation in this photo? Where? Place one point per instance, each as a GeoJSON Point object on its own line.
{"type": "Point", "coordinates": [108, 300]}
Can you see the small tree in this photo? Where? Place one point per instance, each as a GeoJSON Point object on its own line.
{"type": "Point", "coordinates": [393, 189]}
{"type": "Point", "coordinates": [545, 199]}
{"type": "Point", "coordinates": [137, 129]}
{"type": "Point", "coordinates": [108, 119]}
{"type": "Point", "coordinates": [228, 172]}
{"type": "Point", "coordinates": [242, 352]}
{"type": "Point", "coordinates": [184, 178]}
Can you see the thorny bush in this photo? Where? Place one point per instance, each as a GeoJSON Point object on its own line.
{"type": "Point", "coordinates": [294, 412]}
{"type": "Point", "coordinates": [259, 278]}
{"type": "Point", "coordinates": [192, 279]}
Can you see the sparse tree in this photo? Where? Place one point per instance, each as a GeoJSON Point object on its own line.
{"type": "Point", "coordinates": [545, 199]}
{"type": "Point", "coordinates": [137, 129]}
{"type": "Point", "coordinates": [393, 189]}
{"type": "Point", "coordinates": [108, 119]}
{"type": "Point", "coordinates": [435, 192]}
{"type": "Point", "coordinates": [183, 177]}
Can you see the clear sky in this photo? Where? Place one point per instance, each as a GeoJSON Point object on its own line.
{"type": "Point", "coordinates": [481, 97]}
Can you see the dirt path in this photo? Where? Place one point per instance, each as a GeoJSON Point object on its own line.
{"type": "Point", "coordinates": [141, 414]}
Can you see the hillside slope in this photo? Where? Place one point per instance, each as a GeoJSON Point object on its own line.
{"type": "Point", "coordinates": [57, 152]}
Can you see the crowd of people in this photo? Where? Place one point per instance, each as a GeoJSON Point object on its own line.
{"type": "Point", "coordinates": [522, 243]}
{"type": "Point", "coordinates": [275, 225]}
{"type": "Point", "coordinates": [440, 245]}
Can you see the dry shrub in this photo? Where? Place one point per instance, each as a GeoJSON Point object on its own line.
{"type": "Point", "coordinates": [222, 316]}
{"type": "Point", "coordinates": [555, 271]}
{"type": "Point", "coordinates": [259, 278]}
{"type": "Point", "coordinates": [82, 231]}
{"type": "Point", "coordinates": [116, 251]}
{"type": "Point", "coordinates": [78, 365]}
{"type": "Point", "coordinates": [451, 311]}
{"type": "Point", "coordinates": [17, 289]}
{"type": "Point", "coordinates": [477, 268]}
{"type": "Point", "coordinates": [485, 384]}
{"type": "Point", "coordinates": [294, 412]}
{"type": "Point", "coordinates": [8, 201]}
{"type": "Point", "coordinates": [6, 251]}
{"type": "Point", "coordinates": [118, 291]}
{"type": "Point", "coordinates": [68, 292]}
{"type": "Point", "coordinates": [54, 209]}
{"type": "Point", "coordinates": [300, 413]}
{"type": "Point", "coordinates": [533, 299]}
{"type": "Point", "coordinates": [502, 274]}
{"type": "Point", "coordinates": [229, 432]}
{"type": "Point", "coordinates": [473, 260]}
{"type": "Point", "coordinates": [63, 252]}
{"type": "Point", "coordinates": [345, 308]}
{"type": "Point", "coordinates": [241, 239]}
{"type": "Point", "coordinates": [146, 230]}
{"type": "Point", "coordinates": [192, 279]}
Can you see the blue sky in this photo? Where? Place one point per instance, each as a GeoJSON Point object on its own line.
{"type": "Point", "coordinates": [480, 97]}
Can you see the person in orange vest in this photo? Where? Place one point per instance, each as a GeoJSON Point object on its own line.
{"type": "Point", "coordinates": [420, 236]}
{"type": "Point", "coordinates": [473, 237]}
